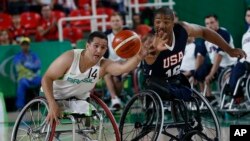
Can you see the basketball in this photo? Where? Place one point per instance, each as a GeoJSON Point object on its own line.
{"type": "Point", "coordinates": [126, 44]}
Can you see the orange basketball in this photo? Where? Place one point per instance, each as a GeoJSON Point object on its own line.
{"type": "Point", "coordinates": [126, 44]}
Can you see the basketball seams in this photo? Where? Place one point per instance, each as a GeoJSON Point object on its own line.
{"type": "Point", "coordinates": [125, 41]}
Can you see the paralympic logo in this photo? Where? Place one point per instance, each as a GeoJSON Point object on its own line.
{"type": "Point", "coordinates": [7, 68]}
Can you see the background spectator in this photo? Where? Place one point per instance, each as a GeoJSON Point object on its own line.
{"type": "Point", "coordinates": [27, 68]}
{"type": "Point", "coordinates": [65, 5]}
{"type": "Point", "coordinates": [36, 5]}
{"type": "Point", "coordinates": [239, 69]}
{"type": "Point", "coordinates": [136, 20]}
{"type": "Point", "coordinates": [114, 83]}
{"type": "Point", "coordinates": [219, 59]}
{"type": "Point", "coordinates": [5, 38]}
{"type": "Point", "coordinates": [17, 6]}
{"type": "Point", "coordinates": [47, 30]}
{"type": "Point", "coordinates": [17, 30]}
{"type": "Point", "coordinates": [188, 62]}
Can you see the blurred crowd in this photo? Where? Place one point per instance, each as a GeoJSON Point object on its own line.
{"type": "Point", "coordinates": [38, 19]}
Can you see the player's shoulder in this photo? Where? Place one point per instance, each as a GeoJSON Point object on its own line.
{"type": "Point", "coordinates": [247, 33]}
{"type": "Point", "coordinates": [223, 30]}
{"type": "Point", "coordinates": [68, 54]}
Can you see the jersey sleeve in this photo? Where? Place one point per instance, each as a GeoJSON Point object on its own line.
{"type": "Point", "coordinates": [200, 48]}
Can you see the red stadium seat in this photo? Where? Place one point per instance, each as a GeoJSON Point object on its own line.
{"type": "Point", "coordinates": [140, 2]}
{"type": "Point", "coordinates": [83, 24]}
{"type": "Point", "coordinates": [59, 14]}
{"type": "Point", "coordinates": [73, 34]}
{"type": "Point", "coordinates": [104, 11]}
{"type": "Point", "coordinates": [143, 29]}
{"type": "Point", "coordinates": [5, 21]}
{"type": "Point", "coordinates": [30, 21]}
{"type": "Point", "coordinates": [81, 3]}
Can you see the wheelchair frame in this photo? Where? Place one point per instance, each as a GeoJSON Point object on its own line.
{"type": "Point", "coordinates": [31, 123]}
{"type": "Point", "coordinates": [227, 101]}
{"type": "Point", "coordinates": [144, 118]}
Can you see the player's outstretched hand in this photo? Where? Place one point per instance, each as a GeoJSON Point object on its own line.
{"type": "Point", "coordinates": [160, 41]}
{"type": "Point", "coordinates": [237, 52]}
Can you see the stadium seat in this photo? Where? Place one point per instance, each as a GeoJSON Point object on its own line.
{"type": "Point", "coordinates": [5, 21]}
{"type": "Point", "coordinates": [59, 14]}
{"type": "Point", "coordinates": [104, 11]}
{"type": "Point", "coordinates": [140, 2]}
{"type": "Point", "coordinates": [81, 3]}
{"type": "Point", "coordinates": [83, 24]}
{"type": "Point", "coordinates": [143, 29]}
{"type": "Point", "coordinates": [73, 34]}
{"type": "Point", "coordinates": [30, 21]}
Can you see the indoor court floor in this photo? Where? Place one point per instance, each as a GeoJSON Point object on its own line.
{"type": "Point", "coordinates": [225, 122]}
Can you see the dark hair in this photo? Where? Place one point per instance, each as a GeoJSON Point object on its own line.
{"type": "Point", "coordinates": [96, 34]}
{"type": "Point", "coordinates": [248, 8]}
{"type": "Point", "coordinates": [117, 14]}
{"type": "Point", "coordinates": [165, 11]}
{"type": "Point", "coordinates": [212, 15]}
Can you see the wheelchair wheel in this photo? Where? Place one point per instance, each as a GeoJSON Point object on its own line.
{"type": "Point", "coordinates": [100, 125]}
{"type": "Point", "coordinates": [225, 74]}
{"type": "Point", "coordinates": [142, 118]}
{"type": "Point", "coordinates": [248, 88]}
{"type": "Point", "coordinates": [31, 122]}
{"type": "Point", "coordinates": [180, 117]}
{"type": "Point", "coordinates": [203, 122]}
{"type": "Point", "coordinates": [109, 130]}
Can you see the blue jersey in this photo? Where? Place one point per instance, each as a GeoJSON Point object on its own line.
{"type": "Point", "coordinates": [27, 65]}
{"type": "Point", "coordinates": [169, 61]}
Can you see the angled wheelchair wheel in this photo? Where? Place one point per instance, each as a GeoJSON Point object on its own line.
{"type": "Point", "coordinates": [203, 122]}
{"type": "Point", "coordinates": [223, 76]}
{"type": "Point", "coordinates": [99, 126]}
{"type": "Point", "coordinates": [108, 129]}
{"type": "Point", "coordinates": [180, 117]}
{"type": "Point", "coordinates": [142, 118]}
{"type": "Point", "coordinates": [31, 122]}
{"type": "Point", "coordinates": [248, 88]}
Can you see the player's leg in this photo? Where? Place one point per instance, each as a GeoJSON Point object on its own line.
{"type": "Point", "coordinates": [113, 86]}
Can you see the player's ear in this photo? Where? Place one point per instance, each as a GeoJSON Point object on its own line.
{"type": "Point", "coordinates": [87, 45]}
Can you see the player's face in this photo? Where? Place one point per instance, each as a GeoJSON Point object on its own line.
{"type": "Point", "coordinates": [97, 48]}
{"type": "Point", "coordinates": [212, 23]}
{"type": "Point", "coordinates": [247, 17]}
{"type": "Point", "coordinates": [25, 46]}
{"type": "Point", "coordinates": [16, 20]}
{"type": "Point", "coordinates": [116, 22]}
{"type": "Point", "coordinates": [46, 12]}
{"type": "Point", "coordinates": [163, 24]}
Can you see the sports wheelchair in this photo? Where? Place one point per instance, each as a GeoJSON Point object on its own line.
{"type": "Point", "coordinates": [146, 116]}
{"type": "Point", "coordinates": [99, 125]}
{"type": "Point", "coordinates": [227, 100]}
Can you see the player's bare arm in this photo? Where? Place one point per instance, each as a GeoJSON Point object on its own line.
{"type": "Point", "coordinates": [56, 70]}
{"type": "Point", "coordinates": [215, 68]}
{"type": "Point", "coordinates": [118, 68]}
{"type": "Point", "coordinates": [213, 37]}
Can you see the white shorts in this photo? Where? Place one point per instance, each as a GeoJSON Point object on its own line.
{"type": "Point", "coordinates": [76, 107]}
